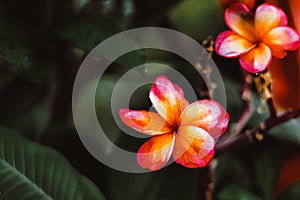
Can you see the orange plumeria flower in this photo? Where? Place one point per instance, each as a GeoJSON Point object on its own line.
{"type": "Point", "coordinates": [256, 38]}
{"type": "Point", "coordinates": [186, 130]}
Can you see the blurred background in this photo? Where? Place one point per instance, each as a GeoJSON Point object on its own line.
{"type": "Point", "coordinates": [43, 43]}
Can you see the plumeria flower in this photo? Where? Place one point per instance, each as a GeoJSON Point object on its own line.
{"type": "Point", "coordinates": [187, 131]}
{"type": "Point", "coordinates": [256, 38]}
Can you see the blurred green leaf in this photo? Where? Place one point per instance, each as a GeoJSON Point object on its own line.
{"type": "Point", "coordinates": [292, 192]}
{"type": "Point", "coordinates": [103, 107]}
{"type": "Point", "coordinates": [28, 107]}
{"type": "Point", "coordinates": [79, 4]}
{"type": "Point", "coordinates": [198, 19]}
{"type": "Point", "coordinates": [288, 131]}
{"type": "Point", "coordinates": [254, 168]}
{"type": "Point", "coordinates": [260, 111]}
{"type": "Point", "coordinates": [171, 183]}
{"type": "Point", "coordinates": [152, 12]}
{"type": "Point", "coordinates": [236, 192]}
{"type": "Point", "coordinates": [18, 56]}
{"type": "Point", "coordinates": [234, 101]}
{"type": "Point", "coordinates": [86, 32]}
{"type": "Point", "coordinates": [30, 171]}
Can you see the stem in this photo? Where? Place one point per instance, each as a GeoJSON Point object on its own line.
{"type": "Point", "coordinates": [263, 84]}
{"type": "Point", "coordinates": [246, 96]}
{"type": "Point", "coordinates": [256, 134]}
{"type": "Point", "coordinates": [272, 110]}
{"type": "Point", "coordinates": [204, 67]}
{"type": "Point", "coordinates": [206, 181]}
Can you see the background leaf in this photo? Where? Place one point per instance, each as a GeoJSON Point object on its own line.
{"type": "Point", "coordinates": [30, 171]}
{"type": "Point", "coordinates": [292, 192]}
{"type": "Point", "coordinates": [198, 20]}
{"type": "Point", "coordinates": [288, 131]}
{"type": "Point", "coordinates": [254, 168]}
{"type": "Point", "coordinates": [85, 32]}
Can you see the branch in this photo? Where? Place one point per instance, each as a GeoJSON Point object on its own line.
{"type": "Point", "coordinates": [204, 66]}
{"type": "Point", "coordinates": [246, 96]}
{"type": "Point", "coordinates": [256, 134]}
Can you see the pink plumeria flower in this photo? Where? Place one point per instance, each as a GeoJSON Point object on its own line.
{"type": "Point", "coordinates": [187, 131]}
{"type": "Point", "coordinates": [256, 38]}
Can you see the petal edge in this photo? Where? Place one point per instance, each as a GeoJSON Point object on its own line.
{"type": "Point", "coordinates": [168, 99]}
{"type": "Point", "coordinates": [240, 20]}
{"type": "Point", "coordinates": [194, 147]}
{"type": "Point", "coordinates": [149, 123]}
{"type": "Point", "coordinates": [231, 45]}
{"type": "Point", "coordinates": [282, 37]}
{"type": "Point", "coordinates": [208, 115]}
{"type": "Point", "coordinates": [156, 152]}
{"type": "Point", "coordinates": [267, 17]}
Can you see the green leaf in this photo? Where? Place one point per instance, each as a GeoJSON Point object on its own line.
{"type": "Point", "coordinates": [288, 131]}
{"type": "Point", "coordinates": [171, 183]}
{"type": "Point", "coordinates": [86, 32]}
{"type": "Point", "coordinates": [257, 117]}
{"type": "Point", "coordinates": [198, 20]}
{"type": "Point", "coordinates": [155, 10]}
{"type": "Point", "coordinates": [81, 3]}
{"type": "Point", "coordinates": [30, 171]}
{"type": "Point", "coordinates": [17, 55]}
{"type": "Point", "coordinates": [236, 192]}
{"type": "Point", "coordinates": [254, 168]}
{"type": "Point", "coordinates": [234, 100]}
{"type": "Point", "coordinates": [28, 107]}
{"type": "Point", "coordinates": [292, 192]}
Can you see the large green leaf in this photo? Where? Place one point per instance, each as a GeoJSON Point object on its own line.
{"type": "Point", "coordinates": [30, 171]}
{"type": "Point", "coordinates": [253, 169]}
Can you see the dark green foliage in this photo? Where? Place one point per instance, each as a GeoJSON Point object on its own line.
{"type": "Point", "coordinates": [31, 171]}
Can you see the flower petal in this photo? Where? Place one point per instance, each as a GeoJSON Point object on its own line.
{"type": "Point", "coordinates": [282, 37]}
{"type": "Point", "coordinates": [206, 114]}
{"type": "Point", "coordinates": [257, 60]}
{"type": "Point", "coordinates": [143, 121]}
{"type": "Point", "coordinates": [167, 99]}
{"type": "Point", "coordinates": [278, 52]}
{"type": "Point", "coordinates": [267, 17]}
{"type": "Point", "coordinates": [231, 45]}
{"type": "Point", "coordinates": [194, 147]}
{"type": "Point", "coordinates": [240, 20]}
{"type": "Point", "coordinates": [156, 152]}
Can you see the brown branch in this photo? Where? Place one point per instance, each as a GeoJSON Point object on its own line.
{"type": "Point", "coordinates": [263, 84]}
{"type": "Point", "coordinates": [206, 181]}
{"type": "Point", "coordinates": [204, 67]}
{"type": "Point", "coordinates": [272, 110]}
{"type": "Point", "coordinates": [246, 96]}
{"type": "Point", "coordinates": [256, 134]}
